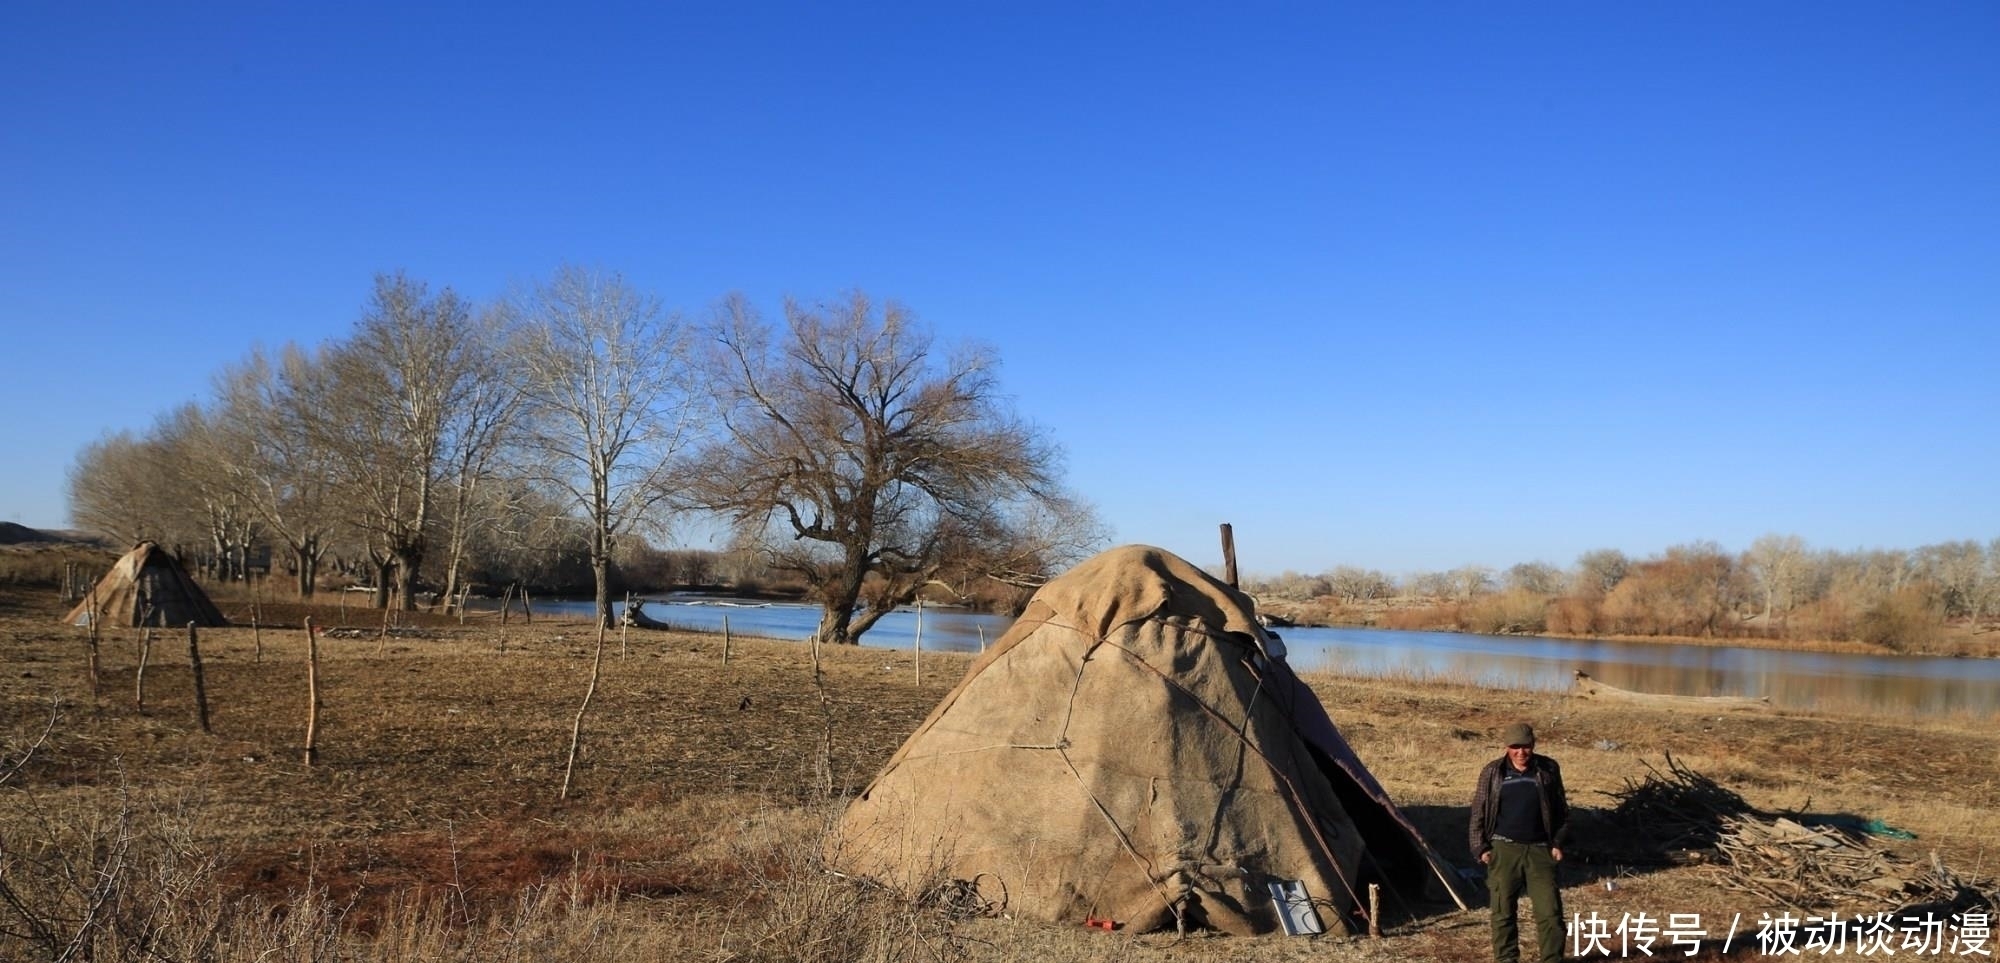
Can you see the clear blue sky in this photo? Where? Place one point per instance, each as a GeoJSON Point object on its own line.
{"type": "Point", "coordinates": [1401, 285]}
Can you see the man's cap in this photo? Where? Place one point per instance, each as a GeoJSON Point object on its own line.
{"type": "Point", "coordinates": [1518, 734]}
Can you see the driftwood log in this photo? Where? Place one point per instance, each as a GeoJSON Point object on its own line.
{"type": "Point", "coordinates": [1590, 688]}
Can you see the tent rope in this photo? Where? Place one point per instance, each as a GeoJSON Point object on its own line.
{"type": "Point", "coordinates": [1124, 839]}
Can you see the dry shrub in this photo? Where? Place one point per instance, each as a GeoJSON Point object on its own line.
{"type": "Point", "coordinates": [1907, 621]}
{"type": "Point", "coordinates": [44, 565]}
{"type": "Point", "coordinates": [1513, 612]}
{"type": "Point", "coordinates": [1574, 615]}
{"type": "Point", "coordinates": [1831, 618]}
{"type": "Point", "coordinates": [802, 911]}
{"type": "Point", "coordinates": [1424, 618]}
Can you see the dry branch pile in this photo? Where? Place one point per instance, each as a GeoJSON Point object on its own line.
{"type": "Point", "coordinates": [1688, 817]}
{"type": "Point", "coordinates": [1678, 813]}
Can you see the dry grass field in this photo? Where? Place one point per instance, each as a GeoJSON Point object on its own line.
{"type": "Point", "coordinates": [430, 828]}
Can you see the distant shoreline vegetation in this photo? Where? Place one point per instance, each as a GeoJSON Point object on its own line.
{"type": "Point", "coordinates": [1939, 599]}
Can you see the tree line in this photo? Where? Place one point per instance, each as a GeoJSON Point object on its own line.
{"type": "Point", "coordinates": [1780, 588]}
{"type": "Point", "coordinates": [443, 442]}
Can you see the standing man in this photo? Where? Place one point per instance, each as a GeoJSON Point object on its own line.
{"type": "Point", "coordinates": [1520, 819]}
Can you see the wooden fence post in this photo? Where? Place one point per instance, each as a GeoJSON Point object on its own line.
{"type": "Point", "coordinates": [200, 683]}
{"type": "Point", "coordinates": [139, 678]}
{"type": "Point", "coordinates": [312, 694]}
{"type": "Point", "coordinates": [917, 647]}
{"type": "Point", "coordinates": [725, 638]}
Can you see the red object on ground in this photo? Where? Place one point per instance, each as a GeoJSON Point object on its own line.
{"type": "Point", "coordinates": [1095, 923]}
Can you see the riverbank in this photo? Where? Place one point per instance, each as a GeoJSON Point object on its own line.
{"type": "Point", "coordinates": [1423, 615]}
{"type": "Point", "coordinates": [431, 826]}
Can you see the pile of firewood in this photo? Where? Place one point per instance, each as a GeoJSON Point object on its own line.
{"type": "Point", "coordinates": [1677, 815]}
{"type": "Point", "coordinates": [1685, 817]}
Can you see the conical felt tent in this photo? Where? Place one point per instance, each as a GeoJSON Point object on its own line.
{"type": "Point", "coordinates": [1135, 749]}
{"type": "Point", "coordinates": [148, 586]}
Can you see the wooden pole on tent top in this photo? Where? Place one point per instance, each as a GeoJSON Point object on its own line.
{"type": "Point", "coordinates": [1228, 555]}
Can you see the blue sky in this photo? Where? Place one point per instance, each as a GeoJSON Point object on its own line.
{"type": "Point", "coordinates": [1407, 286]}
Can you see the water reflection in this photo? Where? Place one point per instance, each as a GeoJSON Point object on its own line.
{"type": "Point", "coordinates": [1805, 680]}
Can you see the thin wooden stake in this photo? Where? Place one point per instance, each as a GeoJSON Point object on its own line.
{"type": "Point", "coordinates": [725, 638]}
{"type": "Point", "coordinates": [1375, 910]}
{"type": "Point", "coordinates": [139, 677]}
{"type": "Point", "coordinates": [200, 683]}
{"type": "Point", "coordinates": [624, 626]}
{"type": "Point", "coordinates": [382, 638]}
{"type": "Point", "coordinates": [257, 629]}
{"type": "Point", "coordinates": [576, 728]}
{"type": "Point", "coordinates": [982, 638]}
{"type": "Point", "coordinates": [917, 647]}
{"type": "Point", "coordinates": [312, 694]}
{"type": "Point", "coordinates": [95, 615]}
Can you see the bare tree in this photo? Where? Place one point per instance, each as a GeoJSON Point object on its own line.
{"type": "Point", "coordinates": [1775, 564]}
{"type": "Point", "coordinates": [114, 489]}
{"type": "Point", "coordinates": [398, 394]}
{"type": "Point", "coordinates": [1958, 569]}
{"type": "Point", "coordinates": [1353, 583]}
{"type": "Point", "coordinates": [867, 458]}
{"type": "Point", "coordinates": [1540, 578]}
{"type": "Point", "coordinates": [265, 416]}
{"type": "Point", "coordinates": [475, 449]}
{"type": "Point", "coordinates": [1599, 570]}
{"type": "Point", "coordinates": [1468, 581]}
{"type": "Point", "coordinates": [604, 375]}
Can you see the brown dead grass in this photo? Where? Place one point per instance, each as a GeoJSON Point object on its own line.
{"type": "Point", "coordinates": [696, 807]}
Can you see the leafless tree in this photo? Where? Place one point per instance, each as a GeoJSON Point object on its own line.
{"type": "Point", "coordinates": [868, 458]}
{"type": "Point", "coordinates": [203, 468]}
{"type": "Point", "coordinates": [267, 406]}
{"type": "Point", "coordinates": [170, 485]}
{"type": "Point", "coordinates": [1958, 569]}
{"type": "Point", "coordinates": [1353, 583]}
{"type": "Point", "coordinates": [1775, 564]}
{"type": "Point", "coordinates": [1540, 578]}
{"type": "Point", "coordinates": [605, 377]}
{"type": "Point", "coordinates": [1599, 570]}
{"type": "Point", "coordinates": [114, 489]}
{"type": "Point", "coordinates": [400, 392]}
{"type": "Point", "coordinates": [1468, 581]}
{"type": "Point", "coordinates": [482, 435]}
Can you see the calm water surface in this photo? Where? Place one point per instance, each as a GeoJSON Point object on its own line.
{"type": "Point", "coordinates": [1916, 685]}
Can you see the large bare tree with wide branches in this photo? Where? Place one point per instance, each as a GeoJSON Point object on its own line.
{"type": "Point", "coordinates": [871, 463]}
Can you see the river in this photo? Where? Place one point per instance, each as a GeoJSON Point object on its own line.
{"type": "Point", "coordinates": [1913, 685]}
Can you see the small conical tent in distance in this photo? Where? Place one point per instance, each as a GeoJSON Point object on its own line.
{"type": "Point", "coordinates": [1136, 749]}
{"type": "Point", "coordinates": [148, 586]}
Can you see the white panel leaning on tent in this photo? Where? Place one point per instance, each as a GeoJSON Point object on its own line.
{"type": "Point", "coordinates": [1135, 749]}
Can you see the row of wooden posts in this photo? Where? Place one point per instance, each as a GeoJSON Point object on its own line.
{"type": "Point", "coordinates": [311, 749]}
